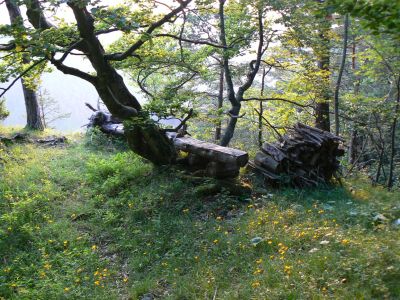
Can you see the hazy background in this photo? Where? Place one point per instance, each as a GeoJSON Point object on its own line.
{"type": "Point", "coordinates": [70, 92]}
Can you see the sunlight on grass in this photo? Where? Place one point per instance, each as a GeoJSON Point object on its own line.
{"type": "Point", "coordinates": [79, 222]}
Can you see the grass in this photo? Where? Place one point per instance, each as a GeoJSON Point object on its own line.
{"type": "Point", "coordinates": [100, 223]}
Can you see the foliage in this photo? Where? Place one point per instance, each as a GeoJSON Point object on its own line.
{"type": "Point", "coordinates": [378, 16]}
{"type": "Point", "coordinates": [3, 110]}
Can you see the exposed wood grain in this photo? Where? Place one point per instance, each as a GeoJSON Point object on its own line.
{"type": "Point", "coordinates": [305, 156]}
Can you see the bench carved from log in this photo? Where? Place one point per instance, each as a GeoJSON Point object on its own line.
{"type": "Point", "coordinates": [203, 157]}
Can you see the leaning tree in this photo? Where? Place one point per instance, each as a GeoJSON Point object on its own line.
{"type": "Point", "coordinates": [54, 40]}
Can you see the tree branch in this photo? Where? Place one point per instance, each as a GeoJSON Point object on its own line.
{"type": "Point", "coordinates": [268, 123]}
{"type": "Point", "coordinates": [21, 75]}
{"type": "Point", "coordinates": [182, 39]}
{"type": "Point", "coordinates": [149, 31]}
{"type": "Point", "coordinates": [254, 69]}
{"type": "Point", "coordinates": [7, 47]}
{"type": "Point", "coordinates": [277, 99]}
{"type": "Point", "coordinates": [73, 71]}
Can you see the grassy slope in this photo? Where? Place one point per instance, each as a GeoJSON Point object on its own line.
{"type": "Point", "coordinates": [81, 223]}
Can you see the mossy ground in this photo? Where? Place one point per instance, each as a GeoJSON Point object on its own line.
{"type": "Point", "coordinates": [100, 223]}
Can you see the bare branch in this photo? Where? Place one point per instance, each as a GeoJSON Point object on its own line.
{"type": "Point", "coordinates": [182, 39]}
{"type": "Point", "coordinates": [182, 124]}
{"type": "Point", "coordinates": [7, 47]}
{"type": "Point", "coordinates": [277, 99]}
{"type": "Point", "coordinates": [90, 107]}
{"type": "Point", "coordinates": [268, 123]}
{"type": "Point", "coordinates": [73, 71]}
{"type": "Point", "coordinates": [234, 116]}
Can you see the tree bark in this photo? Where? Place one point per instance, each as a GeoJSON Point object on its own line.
{"type": "Point", "coordinates": [393, 136]}
{"type": "Point", "coordinates": [355, 139]}
{"type": "Point", "coordinates": [218, 128]}
{"type": "Point", "coordinates": [33, 119]}
{"type": "Point", "coordinates": [322, 118]}
{"type": "Point", "coordinates": [340, 75]}
{"type": "Point", "coordinates": [260, 115]}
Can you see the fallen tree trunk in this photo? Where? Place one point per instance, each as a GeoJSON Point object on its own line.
{"type": "Point", "coordinates": [203, 158]}
{"type": "Point", "coordinates": [305, 156]}
{"type": "Point", "coordinates": [25, 138]}
{"type": "Point", "coordinates": [105, 122]}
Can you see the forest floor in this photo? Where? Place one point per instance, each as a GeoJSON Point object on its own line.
{"type": "Point", "coordinates": [90, 220]}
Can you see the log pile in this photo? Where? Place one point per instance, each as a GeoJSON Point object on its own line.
{"type": "Point", "coordinates": [305, 156]}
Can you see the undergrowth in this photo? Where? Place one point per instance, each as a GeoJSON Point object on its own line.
{"type": "Point", "coordinates": [101, 223]}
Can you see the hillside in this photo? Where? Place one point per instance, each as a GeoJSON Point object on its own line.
{"type": "Point", "coordinates": [92, 220]}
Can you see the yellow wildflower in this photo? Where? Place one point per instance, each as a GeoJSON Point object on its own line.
{"type": "Point", "coordinates": [287, 269]}
{"type": "Point", "coordinates": [258, 271]}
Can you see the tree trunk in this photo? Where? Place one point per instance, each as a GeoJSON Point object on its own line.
{"type": "Point", "coordinates": [143, 136]}
{"type": "Point", "coordinates": [260, 115]}
{"type": "Point", "coordinates": [218, 128]}
{"type": "Point", "coordinates": [34, 120]}
{"type": "Point", "coordinates": [322, 119]}
{"type": "Point", "coordinates": [380, 164]}
{"type": "Point", "coordinates": [340, 75]}
{"type": "Point", "coordinates": [355, 139]}
{"type": "Point", "coordinates": [149, 142]}
{"type": "Point", "coordinates": [393, 137]}
{"type": "Point", "coordinates": [230, 129]}
{"type": "Point", "coordinates": [353, 146]}
{"type": "Point", "coordinates": [236, 98]}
